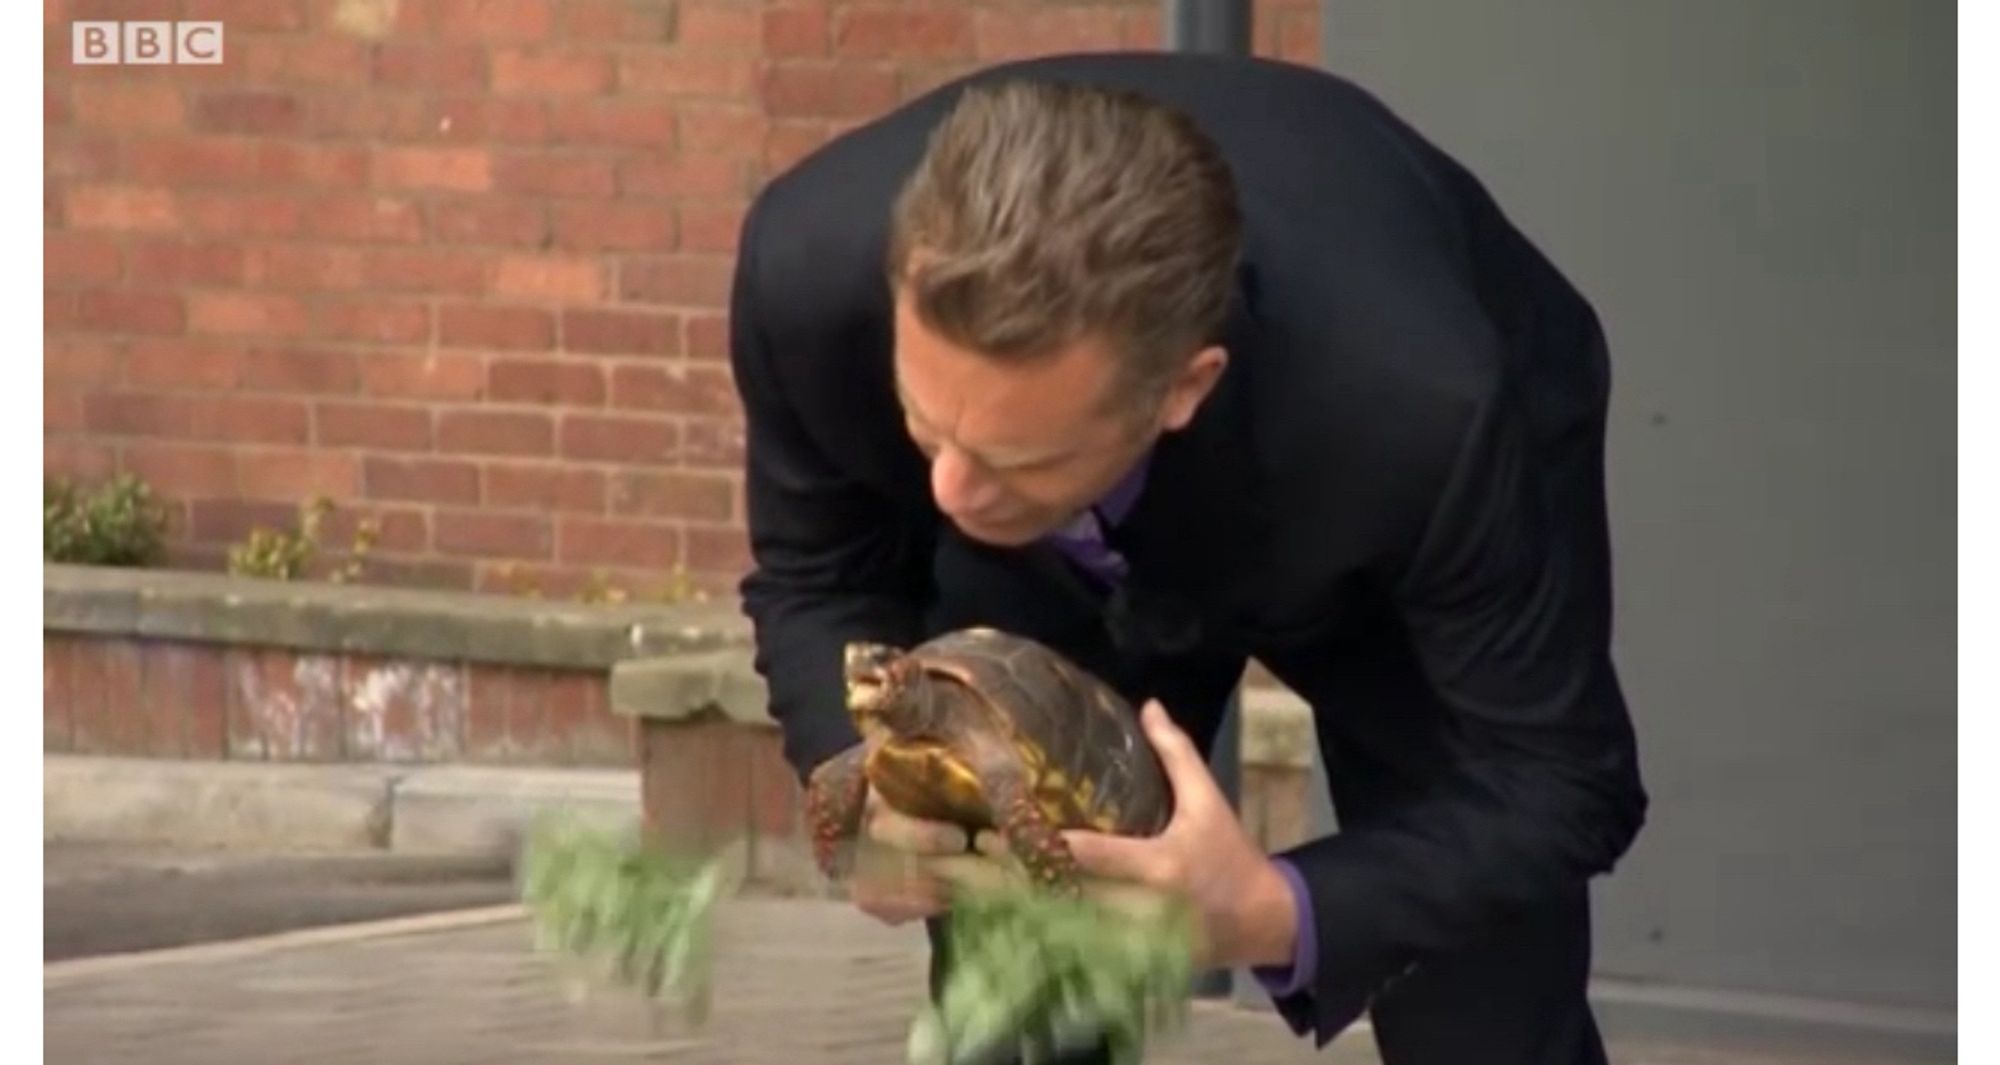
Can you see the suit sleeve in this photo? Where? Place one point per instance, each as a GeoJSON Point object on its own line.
{"type": "Point", "coordinates": [1505, 600]}
{"type": "Point", "coordinates": [831, 560]}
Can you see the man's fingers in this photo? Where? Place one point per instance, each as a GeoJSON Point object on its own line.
{"type": "Point", "coordinates": [972, 872]}
{"type": "Point", "coordinates": [894, 829]}
{"type": "Point", "coordinates": [1116, 857]}
{"type": "Point", "coordinates": [1187, 770]}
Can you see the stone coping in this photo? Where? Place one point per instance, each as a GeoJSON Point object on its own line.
{"type": "Point", "coordinates": [320, 616]}
{"type": "Point", "coordinates": [723, 685]}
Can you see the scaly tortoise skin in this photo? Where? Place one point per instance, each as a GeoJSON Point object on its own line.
{"type": "Point", "coordinates": [986, 729]}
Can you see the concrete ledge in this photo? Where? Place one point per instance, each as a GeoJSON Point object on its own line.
{"type": "Point", "coordinates": [321, 807]}
{"type": "Point", "coordinates": [401, 622]}
{"type": "Point", "coordinates": [1277, 729]}
{"type": "Point", "coordinates": [690, 687]}
{"type": "Point", "coordinates": [479, 810]}
{"type": "Point", "coordinates": [216, 804]}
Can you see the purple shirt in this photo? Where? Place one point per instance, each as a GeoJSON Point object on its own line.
{"type": "Point", "coordinates": [1082, 540]}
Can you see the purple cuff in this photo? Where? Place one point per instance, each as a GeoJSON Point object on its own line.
{"type": "Point", "coordinates": [1282, 981]}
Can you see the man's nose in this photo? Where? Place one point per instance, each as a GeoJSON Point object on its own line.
{"type": "Point", "coordinates": [958, 484]}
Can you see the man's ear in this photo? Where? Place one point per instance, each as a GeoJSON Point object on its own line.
{"type": "Point", "coordinates": [1191, 386]}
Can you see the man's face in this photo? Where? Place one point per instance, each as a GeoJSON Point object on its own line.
{"type": "Point", "coordinates": [1018, 448]}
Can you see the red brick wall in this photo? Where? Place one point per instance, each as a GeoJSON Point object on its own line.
{"type": "Point", "coordinates": [460, 264]}
{"type": "Point", "coordinates": [171, 699]}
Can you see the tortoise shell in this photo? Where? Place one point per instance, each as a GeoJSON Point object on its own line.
{"type": "Point", "coordinates": [976, 701]}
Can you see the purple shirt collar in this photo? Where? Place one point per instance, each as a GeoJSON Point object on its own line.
{"type": "Point", "coordinates": [1117, 503]}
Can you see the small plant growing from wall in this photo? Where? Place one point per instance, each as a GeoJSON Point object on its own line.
{"type": "Point", "coordinates": [118, 523]}
{"type": "Point", "coordinates": [281, 554]}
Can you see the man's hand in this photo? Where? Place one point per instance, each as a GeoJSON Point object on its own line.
{"type": "Point", "coordinates": [1243, 903]}
{"type": "Point", "coordinates": [890, 881]}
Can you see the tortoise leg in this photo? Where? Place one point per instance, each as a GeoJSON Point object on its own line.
{"type": "Point", "coordinates": [836, 796]}
{"type": "Point", "coordinates": [1034, 839]}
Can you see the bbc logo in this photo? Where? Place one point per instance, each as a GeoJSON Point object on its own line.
{"type": "Point", "coordinates": [146, 42]}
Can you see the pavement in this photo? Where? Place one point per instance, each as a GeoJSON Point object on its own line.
{"type": "Point", "coordinates": [798, 981]}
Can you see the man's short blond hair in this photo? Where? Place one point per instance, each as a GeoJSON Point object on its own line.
{"type": "Point", "coordinates": [1044, 213]}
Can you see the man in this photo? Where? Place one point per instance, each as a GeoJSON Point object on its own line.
{"type": "Point", "coordinates": [1173, 362]}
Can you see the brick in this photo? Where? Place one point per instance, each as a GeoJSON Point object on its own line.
{"type": "Point", "coordinates": [615, 21]}
{"type": "Point", "coordinates": [184, 262]}
{"type": "Point", "coordinates": [364, 217]}
{"type": "Point", "coordinates": [626, 440]}
{"type": "Point", "coordinates": [699, 75]}
{"type": "Point", "coordinates": [603, 542]}
{"type": "Point", "coordinates": [193, 161]}
{"type": "Point", "coordinates": [247, 314]}
{"type": "Point", "coordinates": [395, 530]}
{"type": "Point", "coordinates": [430, 375]}
{"type": "Point", "coordinates": [79, 459]}
{"type": "Point", "coordinates": [315, 62]}
{"type": "Point", "coordinates": [421, 480]}
{"type": "Point", "coordinates": [707, 336]}
{"type": "Point", "coordinates": [439, 573]}
{"type": "Point", "coordinates": [253, 111]}
{"type": "Point", "coordinates": [374, 117]}
{"type": "Point", "coordinates": [795, 139]}
{"type": "Point", "coordinates": [672, 494]}
{"type": "Point", "coordinates": [56, 109]}
{"type": "Point", "coordinates": [251, 420]}
{"type": "Point", "coordinates": [1142, 31]}
{"type": "Point", "coordinates": [796, 31]}
{"type": "Point", "coordinates": [182, 469]}
{"type": "Point", "coordinates": [478, 325]}
{"type": "Point", "coordinates": [121, 207]}
{"type": "Point", "coordinates": [480, 534]}
{"type": "Point", "coordinates": [598, 122]}
{"type": "Point", "coordinates": [493, 21]}
{"type": "Point", "coordinates": [137, 414]}
{"type": "Point", "coordinates": [544, 487]}
{"type": "Point", "coordinates": [485, 120]}
{"type": "Point", "coordinates": [310, 371]}
{"type": "Point", "coordinates": [183, 364]}
{"type": "Point", "coordinates": [310, 267]}
{"type": "Point", "coordinates": [569, 71]}
{"type": "Point", "coordinates": [1015, 33]}
{"type": "Point", "coordinates": [298, 474]}
{"type": "Point", "coordinates": [549, 277]}
{"type": "Point", "coordinates": [58, 310]}
{"type": "Point", "coordinates": [126, 108]}
{"type": "Point", "coordinates": [119, 727]}
{"type": "Point", "coordinates": [713, 550]}
{"type": "Point", "coordinates": [331, 166]}
{"type": "Point", "coordinates": [58, 692]}
{"type": "Point", "coordinates": [80, 259]}
{"type": "Point", "coordinates": [62, 408]}
{"type": "Point", "coordinates": [903, 34]}
{"type": "Point", "coordinates": [76, 156]}
{"type": "Point", "coordinates": [241, 214]}
{"type": "Point", "coordinates": [1299, 36]}
{"type": "Point", "coordinates": [711, 226]}
{"type": "Point", "coordinates": [426, 270]}
{"type": "Point", "coordinates": [543, 175]}
{"type": "Point", "coordinates": [724, 128]}
{"type": "Point", "coordinates": [248, 14]}
{"type": "Point", "coordinates": [919, 80]}
{"type": "Point", "coordinates": [547, 382]}
{"type": "Point", "coordinates": [404, 711]}
{"type": "Point", "coordinates": [495, 222]}
{"type": "Point", "coordinates": [677, 280]}
{"type": "Point", "coordinates": [231, 520]}
{"type": "Point", "coordinates": [130, 311]}
{"type": "Point", "coordinates": [453, 169]}
{"type": "Point", "coordinates": [682, 175]}
{"type": "Point", "coordinates": [578, 726]}
{"type": "Point", "coordinates": [621, 332]}
{"type": "Point", "coordinates": [614, 227]}
{"type": "Point", "coordinates": [81, 360]}
{"type": "Point", "coordinates": [431, 67]}
{"type": "Point", "coordinates": [495, 433]}
{"type": "Point", "coordinates": [659, 388]}
{"type": "Point", "coordinates": [713, 27]}
{"type": "Point", "coordinates": [803, 87]}
{"type": "Point", "coordinates": [285, 706]}
{"type": "Point", "coordinates": [372, 425]}
{"type": "Point", "coordinates": [488, 691]}
{"type": "Point", "coordinates": [379, 321]}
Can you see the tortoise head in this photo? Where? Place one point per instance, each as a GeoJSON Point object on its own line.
{"type": "Point", "coordinates": [883, 688]}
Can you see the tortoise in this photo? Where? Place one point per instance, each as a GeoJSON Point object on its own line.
{"type": "Point", "coordinates": [989, 730]}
